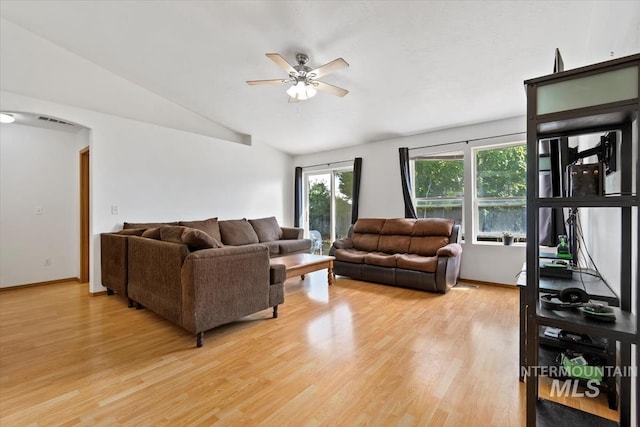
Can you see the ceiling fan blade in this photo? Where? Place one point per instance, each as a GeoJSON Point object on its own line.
{"type": "Point", "coordinates": [330, 67]}
{"type": "Point", "coordinates": [326, 87]}
{"type": "Point", "coordinates": [267, 82]}
{"type": "Point", "coordinates": [281, 62]}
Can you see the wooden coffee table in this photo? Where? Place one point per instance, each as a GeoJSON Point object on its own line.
{"type": "Point", "coordinates": [301, 264]}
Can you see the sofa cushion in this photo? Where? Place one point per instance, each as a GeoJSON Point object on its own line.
{"type": "Point", "coordinates": [291, 233]}
{"type": "Point", "coordinates": [433, 227]}
{"type": "Point", "coordinates": [267, 229]}
{"type": "Point", "coordinates": [368, 225]}
{"type": "Point", "coordinates": [131, 231]}
{"type": "Point", "coordinates": [397, 244]}
{"type": "Point", "coordinates": [291, 246]}
{"type": "Point", "coordinates": [195, 239]}
{"type": "Point", "coordinates": [398, 226]}
{"type": "Point", "coordinates": [146, 225]}
{"type": "Point", "coordinates": [365, 242]}
{"type": "Point", "coordinates": [351, 255]}
{"type": "Point", "coordinates": [380, 259]}
{"type": "Point", "coordinates": [237, 232]}
{"type": "Point", "coordinates": [209, 226]}
{"type": "Point", "coordinates": [153, 233]}
{"type": "Point", "coordinates": [417, 262]}
{"type": "Point", "coordinates": [428, 245]}
{"type": "Point", "coordinates": [274, 248]}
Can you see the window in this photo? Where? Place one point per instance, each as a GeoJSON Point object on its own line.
{"type": "Point", "coordinates": [501, 191]}
{"type": "Point", "coordinates": [438, 182]}
{"type": "Point", "coordinates": [328, 205]}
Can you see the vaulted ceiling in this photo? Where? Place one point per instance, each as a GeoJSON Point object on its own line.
{"type": "Point", "coordinates": [414, 65]}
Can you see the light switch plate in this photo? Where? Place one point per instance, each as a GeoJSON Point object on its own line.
{"type": "Point", "coordinates": [114, 210]}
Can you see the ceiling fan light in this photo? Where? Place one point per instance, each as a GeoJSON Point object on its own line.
{"type": "Point", "coordinates": [302, 91]}
{"type": "Point", "coordinates": [6, 118]}
{"type": "Point", "coordinates": [311, 91]}
{"type": "Point", "coordinates": [292, 91]}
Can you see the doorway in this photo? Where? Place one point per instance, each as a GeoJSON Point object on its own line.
{"type": "Point", "coordinates": [84, 215]}
{"type": "Point", "coordinates": [328, 198]}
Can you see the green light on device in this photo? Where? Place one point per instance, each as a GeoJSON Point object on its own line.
{"type": "Point", "coordinates": [563, 248]}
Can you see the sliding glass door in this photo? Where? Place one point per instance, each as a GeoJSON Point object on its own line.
{"type": "Point", "coordinates": [328, 198]}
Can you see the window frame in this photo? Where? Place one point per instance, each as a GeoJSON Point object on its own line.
{"type": "Point", "coordinates": [332, 192]}
{"type": "Point", "coordinates": [434, 156]}
{"type": "Point", "coordinates": [475, 202]}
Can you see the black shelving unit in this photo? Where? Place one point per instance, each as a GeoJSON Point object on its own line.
{"type": "Point", "coordinates": [595, 99]}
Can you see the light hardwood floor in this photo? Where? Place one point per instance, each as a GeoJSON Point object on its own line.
{"type": "Point", "coordinates": [352, 354]}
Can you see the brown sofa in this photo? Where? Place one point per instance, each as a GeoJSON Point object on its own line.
{"type": "Point", "coordinates": [114, 251]}
{"type": "Point", "coordinates": [198, 283]}
{"type": "Point", "coordinates": [415, 253]}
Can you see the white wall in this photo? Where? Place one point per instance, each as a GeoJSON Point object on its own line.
{"type": "Point", "coordinates": [381, 191]}
{"type": "Point", "coordinates": [154, 173]}
{"type": "Point", "coordinates": [36, 67]}
{"type": "Point", "coordinates": [38, 169]}
{"type": "Point", "coordinates": [152, 158]}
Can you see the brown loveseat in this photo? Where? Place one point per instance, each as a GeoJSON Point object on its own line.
{"type": "Point", "coordinates": [415, 253]}
{"type": "Point", "coordinates": [279, 241]}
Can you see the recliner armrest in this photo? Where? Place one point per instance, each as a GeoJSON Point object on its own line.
{"type": "Point", "coordinates": [452, 249]}
{"type": "Point", "coordinates": [292, 233]}
{"type": "Point", "coordinates": [343, 244]}
{"type": "Point", "coordinates": [448, 269]}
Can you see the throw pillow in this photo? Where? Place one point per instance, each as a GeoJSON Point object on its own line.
{"type": "Point", "coordinates": [146, 225]}
{"type": "Point", "coordinates": [198, 239]}
{"type": "Point", "coordinates": [267, 229]}
{"type": "Point", "coordinates": [131, 231]}
{"type": "Point", "coordinates": [209, 226]}
{"type": "Point", "coordinates": [237, 232]}
{"type": "Point", "coordinates": [152, 233]}
{"type": "Point", "coordinates": [195, 239]}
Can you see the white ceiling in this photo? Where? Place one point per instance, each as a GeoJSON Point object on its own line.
{"type": "Point", "coordinates": [414, 66]}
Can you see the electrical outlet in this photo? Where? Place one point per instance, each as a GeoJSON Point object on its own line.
{"type": "Point", "coordinates": [114, 210]}
{"type": "Point", "coordinates": [39, 210]}
{"type": "Point", "coordinates": [47, 262]}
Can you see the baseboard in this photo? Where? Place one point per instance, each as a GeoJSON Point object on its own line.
{"type": "Point", "coordinates": [480, 282]}
{"type": "Point", "coordinates": [48, 282]}
{"type": "Point", "coordinates": [96, 294]}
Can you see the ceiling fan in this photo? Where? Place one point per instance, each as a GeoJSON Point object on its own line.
{"type": "Point", "coordinates": [303, 78]}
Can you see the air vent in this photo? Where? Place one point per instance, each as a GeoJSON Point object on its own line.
{"type": "Point", "coordinates": [52, 120]}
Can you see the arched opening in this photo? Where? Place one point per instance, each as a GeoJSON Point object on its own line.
{"type": "Point", "coordinates": [45, 223]}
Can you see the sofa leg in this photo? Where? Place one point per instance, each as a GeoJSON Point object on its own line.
{"type": "Point", "coordinates": [302, 276]}
{"type": "Point", "coordinates": [275, 311]}
{"type": "Point", "coordinates": [199, 339]}
{"type": "Point", "coordinates": [109, 291]}
{"type": "Point", "coordinates": [130, 305]}
{"type": "Point", "coordinates": [139, 306]}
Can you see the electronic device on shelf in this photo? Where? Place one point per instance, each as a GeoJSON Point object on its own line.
{"type": "Point", "coordinates": [567, 299]}
{"type": "Point", "coordinates": [599, 312]}
{"type": "Point", "coordinates": [563, 247]}
{"type": "Point", "coordinates": [557, 268]}
{"type": "Point", "coordinates": [586, 180]}
{"type": "Point", "coordinates": [582, 339]}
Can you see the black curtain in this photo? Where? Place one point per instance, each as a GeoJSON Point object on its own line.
{"type": "Point", "coordinates": [405, 175]}
{"type": "Point", "coordinates": [551, 222]}
{"type": "Point", "coordinates": [297, 197]}
{"type": "Point", "coordinates": [357, 171]}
